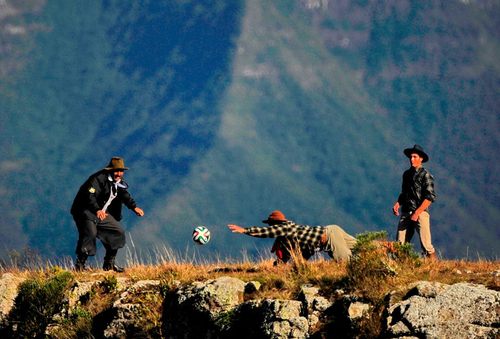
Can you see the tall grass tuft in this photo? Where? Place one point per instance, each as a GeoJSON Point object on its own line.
{"type": "Point", "coordinates": [375, 261]}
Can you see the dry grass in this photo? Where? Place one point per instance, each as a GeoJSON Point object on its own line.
{"type": "Point", "coordinates": [371, 277]}
{"type": "Point", "coordinates": [454, 271]}
{"type": "Point", "coordinates": [284, 281]}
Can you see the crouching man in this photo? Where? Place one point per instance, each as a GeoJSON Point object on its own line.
{"type": "Point", "coordinates": [97, 211]}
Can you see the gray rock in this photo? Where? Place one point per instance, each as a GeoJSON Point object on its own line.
{"type": "Point", "coordinates": [79, 292]}
{"type": "Point", "coordinates": [427, 289]}
{"type": "Point", "coordinates": [357, 310]}
{"type": "Point", "coordinates": [214, 296]}
{"type": "Point", "coordinates": [434, 310]}
{"type": "Point", "coordinates": [202, 308]}
{"type": "Point", "coordinates": [129, 310]}
{"type": "Point", "coordinates": [313, 304]}
{"type": "Point", "coordinates": [283, 319]}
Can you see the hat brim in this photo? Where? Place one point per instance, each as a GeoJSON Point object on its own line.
{"type": "Point", "coordinates": [409, 151]}
{"type": "Point", "coordinates": [115, 169]}
{"type": "Point", "coordinates": [267, 221]}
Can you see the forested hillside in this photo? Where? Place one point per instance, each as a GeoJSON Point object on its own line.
{"type": "Point", "coordinates": [226, 110]}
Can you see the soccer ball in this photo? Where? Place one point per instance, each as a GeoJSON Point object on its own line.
{"type": "Point", "coordinates": [201, 235]}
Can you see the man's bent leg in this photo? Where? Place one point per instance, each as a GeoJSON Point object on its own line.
{"type": "Point", "coordinates": [406, 229]}
{"type": "Point", "coordinates": [340, 242]}
{"type": "Point", "coordinates": [87, 233]}
{"type": "Point", "coordinates": [109, 261]}
{"type": "Point", "coordinates": [280, 249]}
{"type": "Point", "coordinates": [424, 229]}
{"type": "Point", "coordinates": [86, 244]}
{"type": "Point", "coordinates": [112, 235]}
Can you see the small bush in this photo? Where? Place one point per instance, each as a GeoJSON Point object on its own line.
{"type": "Point", "coordinates": [37, 302]}
{"type": "Point", "coordinates": [77, 325]}
{"type": "Point", "coordinates": [375, 260]}
{"type": "Point", "coordinates": [109, 284]}
{"type": "Point", "coordinates": [406, 253]}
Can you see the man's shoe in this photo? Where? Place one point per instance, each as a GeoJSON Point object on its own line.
{"type": "Point", "coordinates": [114, 267]}
{"type": "Point", "coordinates": [432, 257]}
{"type": "Point", "coordinates": [80, 264]}
{"type": "Point", "coordinates": [81, 267]}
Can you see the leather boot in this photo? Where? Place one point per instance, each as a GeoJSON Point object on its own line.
{"type": "Point", "coordinates": [80, 263]}
{"type": "Point", "coordinates": [110, 265]}
{"type": "Point", "coordinates": [432, 256]}
{"type": "Point", "coordinates": [109, 262]}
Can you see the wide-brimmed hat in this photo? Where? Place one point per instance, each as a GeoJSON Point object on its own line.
{"type": "Point", "coordinates": [275, 216]}
{"type": "Point", "coordinates": [416, 149]}
{"type": "Point", "coordinates": [116, 164]}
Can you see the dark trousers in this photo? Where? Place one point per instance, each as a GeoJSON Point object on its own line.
{"type": "Point", "coordinates": [284, 247]}
{"type": "Point", "coordinates": [109, 231]}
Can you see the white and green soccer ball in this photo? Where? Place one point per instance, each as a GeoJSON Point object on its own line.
{"type": "Point", "coordinates": [201, 235]}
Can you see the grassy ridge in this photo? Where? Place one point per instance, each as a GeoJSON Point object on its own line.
{"type": "Point", "coordinates": [369, 276]}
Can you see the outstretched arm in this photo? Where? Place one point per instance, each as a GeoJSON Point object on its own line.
{"type": "Point", "coordinates": [236, 228]}
{"type": "Point", "coordinates": [272, 231]}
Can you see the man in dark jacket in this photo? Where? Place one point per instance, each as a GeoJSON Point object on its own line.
{"type": "Point", "coordinates": [417, 194]}
{"type": "Point", "coordinates": [97, 211]}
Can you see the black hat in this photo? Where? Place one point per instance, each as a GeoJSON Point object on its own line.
{"type": "Point", "coordinates": [416, 149]}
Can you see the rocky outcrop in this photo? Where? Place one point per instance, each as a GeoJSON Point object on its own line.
{"type": "Point", "coordinates": [434, 310]}
{"type": "Point", "coordinates": [131, 307]}
{"type": "Point", "coordinates": [227, 307]}
{"type": "Point", "coordinates": [275, 319]}
{"type": "Point", "coordinates": [200, 309]}
{"type": "Point", "coordinates": [314, 305]}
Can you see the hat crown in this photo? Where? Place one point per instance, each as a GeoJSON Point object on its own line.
{"type": "Point", "coordinates": [418, 150]}
{"type": "Point", "coordinates": [275, 216]}
{"type": "Point", "coordinates": [116, 163]}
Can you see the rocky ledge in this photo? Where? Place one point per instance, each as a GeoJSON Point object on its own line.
{"type": "Point", "coordinates": [225, 308]}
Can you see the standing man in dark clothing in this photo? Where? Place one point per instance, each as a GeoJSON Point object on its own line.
{"type": "Point", "coordinates": [308, 239]}
{"type": "Point", "coordinates": [97, 211]}
{"type": "Point", "coordinates": [417, 194]}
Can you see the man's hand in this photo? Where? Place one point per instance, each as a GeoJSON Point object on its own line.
{"type": "Point", "coordinates": [425, 204]}
{"type": "Point", "coordinates": [236, 228]}
{"type": "Point", "coordinates": [395, 209]}
{"type": "Point", "coordinates": [414, 216]}
{"type": "Point", "coordinates": [139, 212]}
{"type": "Point", "coordinates": [101, 215]}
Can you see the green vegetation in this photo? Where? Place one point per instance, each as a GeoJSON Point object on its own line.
{"type": "Point", "coordinates": [374, 261]}
{"type": "Point", "coordinates": [38, 300]}
{"type": "Point", "coordinates": [109, 284]}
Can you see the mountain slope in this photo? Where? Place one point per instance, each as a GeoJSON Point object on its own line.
{"type": "Point", "coordinates": [317, 130]}
{"type": "Point", "coordinates": [226, 111]}
{"type": "Point", "coordinates": [103, 79]}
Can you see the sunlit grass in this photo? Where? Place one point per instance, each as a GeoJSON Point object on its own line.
{"type": "Point", "coordinates": [371, 275]}
{"type": "Point", "coordinates": [282, 281]}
